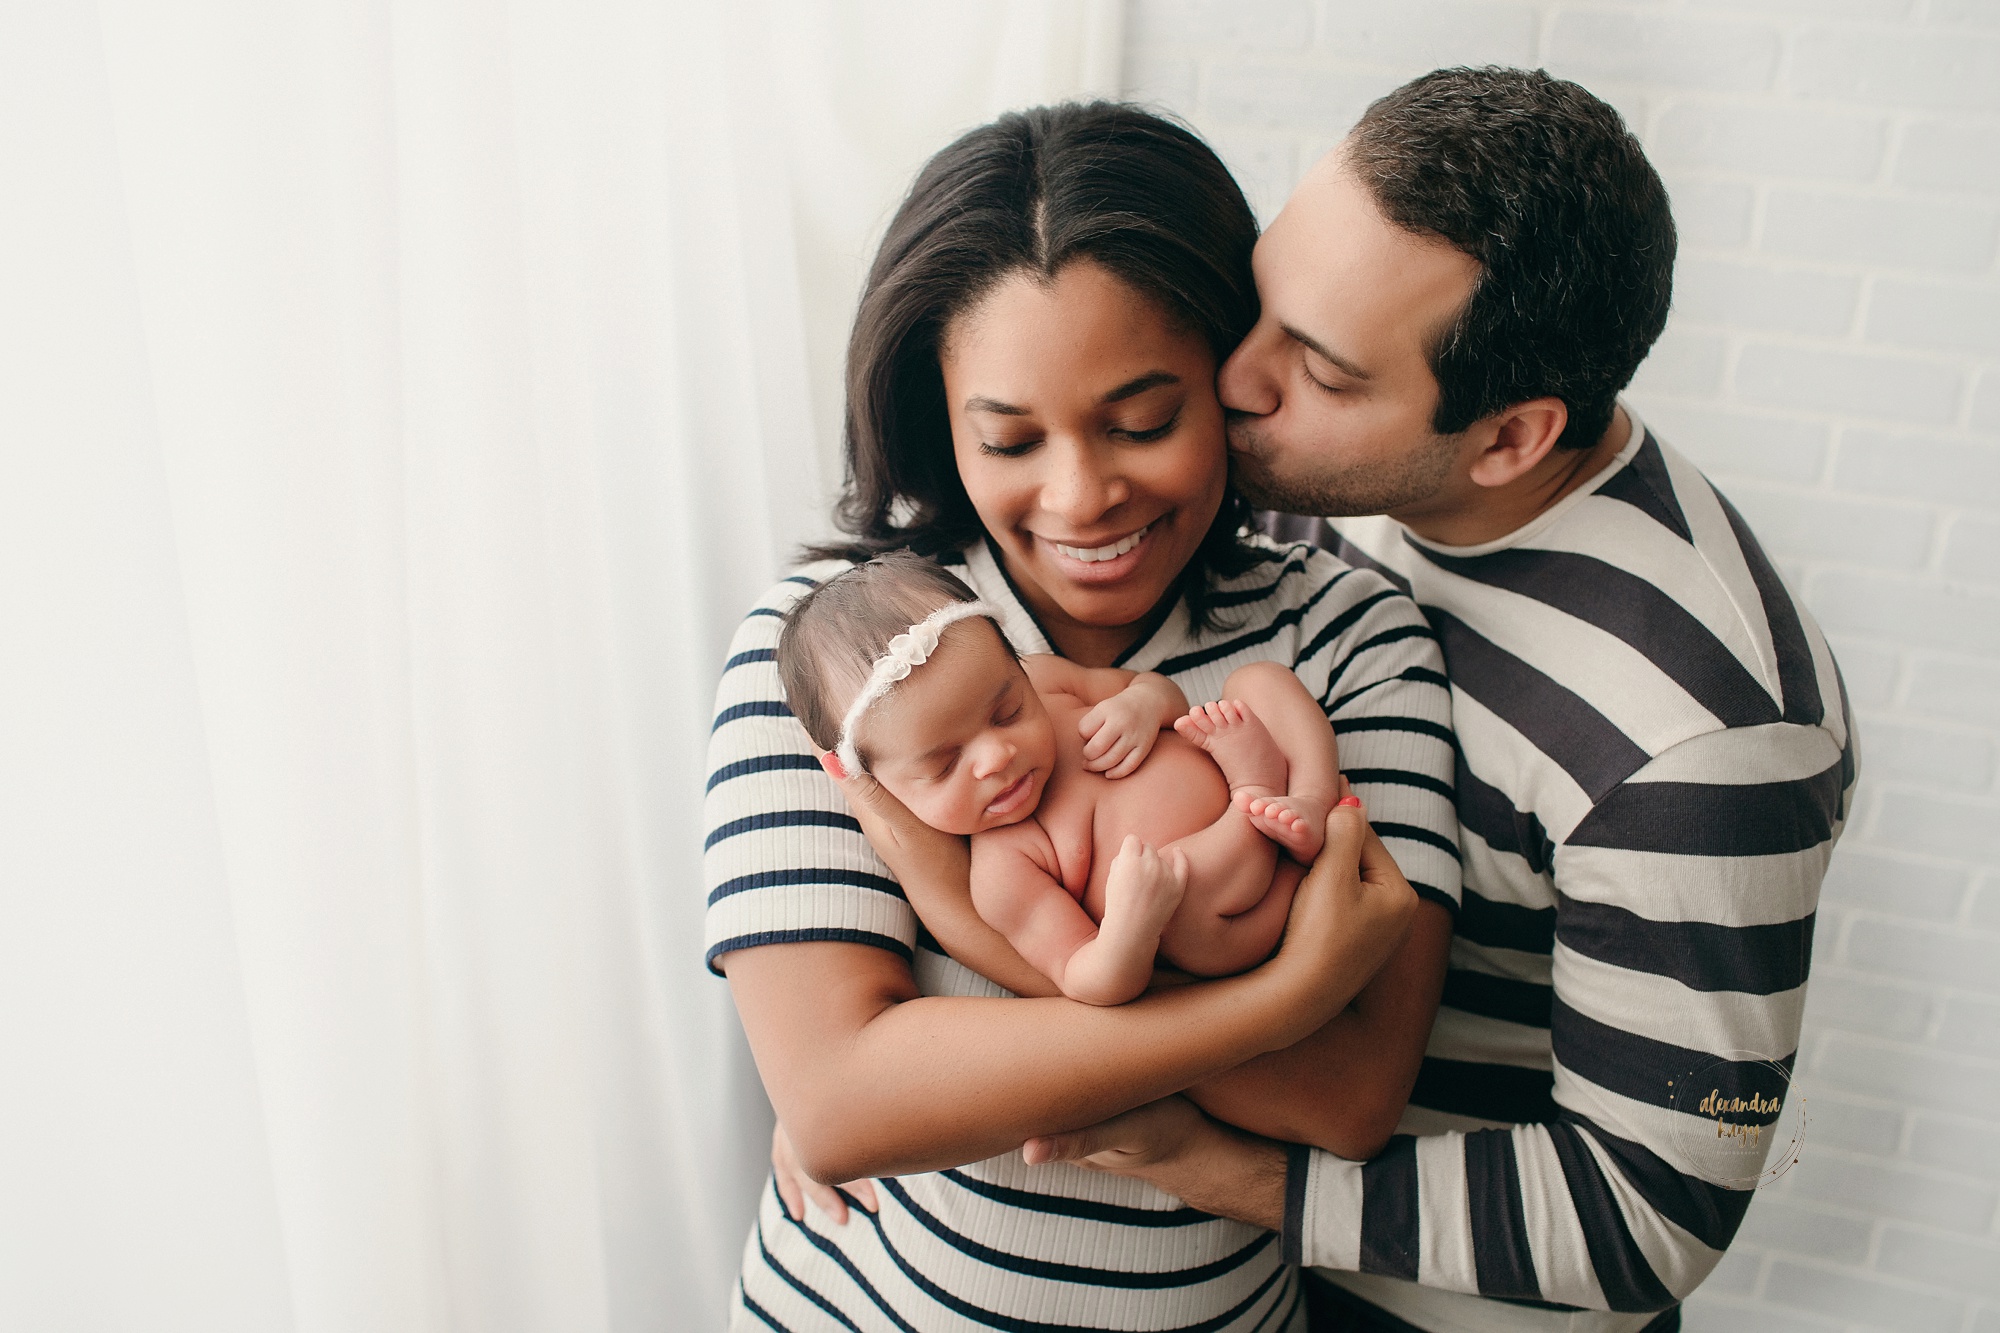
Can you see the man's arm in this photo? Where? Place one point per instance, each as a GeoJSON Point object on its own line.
{"type": "Point", "coordinates": [1675, 961]}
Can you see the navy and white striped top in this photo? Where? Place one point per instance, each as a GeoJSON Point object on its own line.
{"type": "Point", "coordinates": [1655, 763]}
{"type": "Point", "coordinates": [999, 1244]}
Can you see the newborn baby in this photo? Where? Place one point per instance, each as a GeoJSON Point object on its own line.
{"type": "Point", "coordinates": [1102, 834]}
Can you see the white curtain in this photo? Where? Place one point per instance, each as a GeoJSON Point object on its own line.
{"type": "Point", "coordinates": [398, 404]}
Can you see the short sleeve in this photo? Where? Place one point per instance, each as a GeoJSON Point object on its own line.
{"type": "Point", "coordinates": [784, 860]}
{"type": "Point", "coordinates": [1368, 654]}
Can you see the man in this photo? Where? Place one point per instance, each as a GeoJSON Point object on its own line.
{"type": "Point", "coordinates": [1655, 757]}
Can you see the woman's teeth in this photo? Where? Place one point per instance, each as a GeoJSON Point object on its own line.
{"type": "Point", "coordinates": [1092, 554]}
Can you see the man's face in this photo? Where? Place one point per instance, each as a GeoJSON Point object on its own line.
{"type": "Point", "coordinates": [1332, 396]}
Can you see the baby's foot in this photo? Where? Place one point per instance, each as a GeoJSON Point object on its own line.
{"type": "Point", "coordinates": [1240, 745]}
{"type": "Point", "coordinates": [1295, 823]}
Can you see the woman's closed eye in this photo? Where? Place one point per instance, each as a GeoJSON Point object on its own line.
{"type": "Point", "coordinates": [1007, 450]}
{"type": "Point", "coordinates": [1148, 434]}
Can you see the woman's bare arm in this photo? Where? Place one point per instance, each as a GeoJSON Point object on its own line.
{"type": "Point", "coordinates": [870, 1079]}
{"type": "Point", "coordinates": [1344, 1087]}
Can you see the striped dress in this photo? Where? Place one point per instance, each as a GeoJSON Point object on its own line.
{"type": "Point", "coordinates": [998, 1244]}
{"type": "Point", "coordinates": [1655, 761]}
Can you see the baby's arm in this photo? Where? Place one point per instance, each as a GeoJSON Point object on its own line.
{"type": "Point", "coordinates": [1127, 709]}
{"type": "Point", "coordinates": [1017, 889]}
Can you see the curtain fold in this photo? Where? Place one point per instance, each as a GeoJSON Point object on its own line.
{"type": "Point", "coordinates": [399, 402]}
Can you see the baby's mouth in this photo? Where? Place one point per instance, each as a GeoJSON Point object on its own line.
{"type": "Point", "coordinates": [1016, 792]}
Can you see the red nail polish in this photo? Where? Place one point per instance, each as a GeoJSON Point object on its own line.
{"type": "Point", "coordinates": [1350, 800]}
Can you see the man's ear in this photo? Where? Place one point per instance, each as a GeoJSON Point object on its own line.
{"type": "Point", "coordinates": [1522, 437]}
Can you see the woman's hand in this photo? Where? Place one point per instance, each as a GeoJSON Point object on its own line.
{"type": "Point", "coordinates": [795, 1187]}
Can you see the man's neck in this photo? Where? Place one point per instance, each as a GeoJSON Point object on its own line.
{"type": "Point", "coordinates": [1484, 514]}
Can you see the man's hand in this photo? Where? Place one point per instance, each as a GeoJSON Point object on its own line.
{"type": "Point", "coordinates": [795, 1187]}
{"type": "Point", "coordinates": [1170, 1144]}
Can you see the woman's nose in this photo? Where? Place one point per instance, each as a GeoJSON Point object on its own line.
{"type": "Point", "coordinates": [1246, 383]}
{"type": "Point", "coordinates": [1086, 484]}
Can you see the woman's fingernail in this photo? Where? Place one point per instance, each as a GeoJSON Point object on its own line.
{"type": "Point", "coordinates": [1350, 800]}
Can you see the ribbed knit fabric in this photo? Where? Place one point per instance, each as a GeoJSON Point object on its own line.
{"type": "Point", "coordinates": [998, 1244]}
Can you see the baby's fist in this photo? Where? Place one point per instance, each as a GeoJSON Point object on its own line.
{"type": "Point", "coordinates": [1118, 734]}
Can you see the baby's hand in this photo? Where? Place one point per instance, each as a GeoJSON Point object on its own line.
{"type": "Point", "coordinates": [1119, 733]}
{"type": "Point", "coordinates": [1144, 886]}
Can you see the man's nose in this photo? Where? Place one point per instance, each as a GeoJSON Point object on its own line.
{"type": "Point", "coordinates": [1246, 382]}
{"type": "Point", "coordinates": [1086, 485]}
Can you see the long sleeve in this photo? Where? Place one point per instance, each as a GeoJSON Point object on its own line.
{"type": "Point", "coordinates": [1684, 911]}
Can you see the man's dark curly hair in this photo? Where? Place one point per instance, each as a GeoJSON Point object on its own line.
{"type": "Point", "coordinates": [1541, 183]}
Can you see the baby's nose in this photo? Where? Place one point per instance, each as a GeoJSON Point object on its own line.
{"type": "Point", "coordinates": [994, 756]}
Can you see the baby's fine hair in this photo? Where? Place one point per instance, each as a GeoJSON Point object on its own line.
{"type": "Point", "coordinates": [833, 636]}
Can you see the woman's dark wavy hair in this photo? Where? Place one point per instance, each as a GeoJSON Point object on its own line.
{"type": "Point", "coordinates": [1033, 192]}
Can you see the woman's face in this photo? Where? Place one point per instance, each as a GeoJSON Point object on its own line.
{"type": "Point", "coordinates": [1090, 440]}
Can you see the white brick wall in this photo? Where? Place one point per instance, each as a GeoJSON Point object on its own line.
{"type": "Point", "coordinates": [1834, 363]}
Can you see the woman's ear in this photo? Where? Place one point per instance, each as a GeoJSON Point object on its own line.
{"type": "Point", "coordinates": [1523, 436]}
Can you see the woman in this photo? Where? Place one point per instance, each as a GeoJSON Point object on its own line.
{"type": "Point", "coordinates": [1031, 401]}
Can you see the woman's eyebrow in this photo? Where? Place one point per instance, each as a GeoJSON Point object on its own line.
{"type": "Point", "coordinates": [996, 406]}
{"type": "Point", "coordinates": [1324, 352]}
{"type": "Point", "coordinates": [1131, 388]}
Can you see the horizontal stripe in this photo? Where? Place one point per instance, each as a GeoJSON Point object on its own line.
{"type": "Point", "coordinates": [1715, 819]}
{"type": "Point", "coordinates": [1390, 1238]}
{"type": "Point", "coordinates": [1485, 810]}
{"type": "Point", "coordinates": [1387, 638]}
{"type": "Point", "coordinates": [791, 875]}
{"type": "Point", "coordinates": [763, 763]}
{"type": "Point", "coordinates": [1628, 1281]}
{"type": "Point", "coordinates": [795, 1283]}
{"type": "Point", "coordinates": [1646, 485]}
{"type": "Point", "coordinates": [1060, 1272]}
{"type": "Point", "coordinates": [1638, 614]}
{"type": "Point", "coordinates": [1415, 726]}
{"type": "Point", "coordinates": [749, 655]}
{"type": "Point", "coordinates": [1507, 925]}
{"type": "Point", "coordinates": [1505, 1093]}
{"type": "Point", "coordinates": [1489, 996]}
{"type": "Point", "coordinates": [1552, 717]}
{"type": "Point", "coordinates": [1756, 960]}
{"type": "Point", "coordinates": [1412, 833]}
{"type": "Point", "coordinates": [1432, 893]}
{"type": "Point", "coordinates": [1798, 678]}
{"type": "Point", "coordinates": [754, 708]}
{"type": "Point", "coordinates": [1409, 675]}
{"type": "Point", "coordinates": [1654, 1072]}
{"type": "Point", "coordinates": [766, 820]}
{"type": "Point", "coordinates": [1091, 1209]}
{"type": "Point", "coordinates": [804, 935]}
{"type": "Point", "coordinates": [1397, 777]}
{"type": "Point", "coordinates": [1502, 1255]}
{"type": "Point", "coordinates": [1709, 1213]}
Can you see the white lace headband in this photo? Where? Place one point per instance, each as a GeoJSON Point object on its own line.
{"type": "Point", "coordinates": [912, 648]}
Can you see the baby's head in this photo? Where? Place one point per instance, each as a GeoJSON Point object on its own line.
{"type": "Point", "coordinates": [947, 721]}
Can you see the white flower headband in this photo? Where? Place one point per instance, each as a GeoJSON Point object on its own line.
{"type": "Point", "coordinates": [912, 648]}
